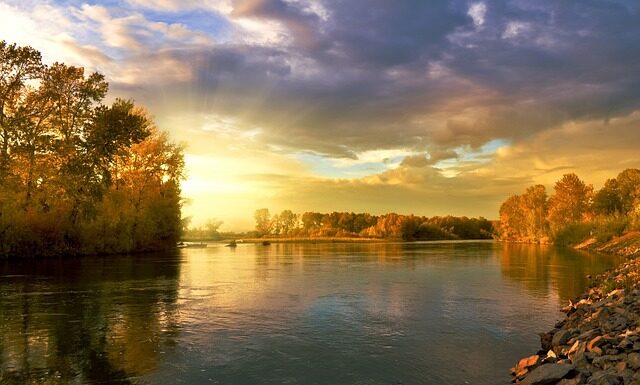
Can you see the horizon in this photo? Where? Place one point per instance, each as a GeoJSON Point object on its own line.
{"type": "Point", "coordinates": [445, 108]}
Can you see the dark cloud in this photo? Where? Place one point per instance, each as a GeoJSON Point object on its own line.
{"type": "Point", "coordinates": [416, 74]}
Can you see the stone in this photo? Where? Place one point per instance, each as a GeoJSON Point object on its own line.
{"type": "Point", "coordinates": [621, 366]}
{"type": "Point", "coordinates": [595, 342]}
{"type": "Point", "coordinates": [522, 367]}
{"type": "Point", "coordinates": [633, 359]}
{"type": "Point", "coordinates": [571, 381]}
{"type": "Point", "coordinates": [545, 340]}
{"type": "Point", "coordinates": [604, 378]}
{"type": "Point", "coordinates": [560, 338]}
{"type": "Point", "coordinates": [609, 360]}
{"type": "Point", "coordinates": [625, 343]}
{"type": "Point", "coordinates": [578, 347]}
{"type": "Point", "coordinates": [547, 374]}
{"type": "Point", "coordinates": [579, 360]}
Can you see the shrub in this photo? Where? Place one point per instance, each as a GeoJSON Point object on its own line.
{"type": "Point", "coordinates": [574, 234]}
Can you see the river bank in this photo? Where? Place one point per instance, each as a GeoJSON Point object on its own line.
{"type": "Point", "coordinates": [598, 342]}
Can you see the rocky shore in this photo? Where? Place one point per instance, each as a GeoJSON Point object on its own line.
{"type": "Point", "coordinates": [598, 342]}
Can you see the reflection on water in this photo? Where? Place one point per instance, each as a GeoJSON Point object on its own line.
{"type": "Point", "coordinates": [86, 320]}
{"type": "Point", "coordinates": [344, 313]}
{"type": "Point", "coordinates": [545, 270]}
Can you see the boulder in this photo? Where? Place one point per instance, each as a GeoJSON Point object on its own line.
{"type": "Point", "coordinates": [571, 381]}
{"type": "Point", "coordinates": [633, 359]}
{"type": "Point", "coordinates": [547, 374]}
{"type": "Point", "coordinates": [595, 342]}
{"type": "Point", "coordinates": [560, 338]}
{"type": "Point", "coordinates": [525, 365]}
{"type": "Point", "coordinates": [604, 378]}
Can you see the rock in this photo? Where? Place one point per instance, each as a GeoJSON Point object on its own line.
{"type": "Point", "coordinates": [547, 374]}
{"type": "Point", "coordinates": [621, 366]}
{"type": "Point", "coordinates": [560, 338]}
{"type": "Point", "coordinates": [616, 293]}
{"type": "Point", "coordinates": [522, 367]}
{"type": "Point", "coordinates": [595, 342]}
{"type": "Point", "coordinates": [571, 381]}
{"type": "Point", "coordinates": [604, 378]}
{"type": "Point", "coordinates": [633, 359]}
{"type": "Point", "coordinates": [597, 351]}
{"type": "Point", "coordinates": [578, 347]}
{"type": "Point", "coordinates": [609, 360]}
{"type": "Point", "coordinates": [625, 343]}
{"type": "Point", "coordinates": [545, 340]}
{"type": "Point", "coordinates": [551, 357]}
{"type": "Point", "coordinates": [598, 341]}
{"type": "Point", "coordinates": [579, 360]}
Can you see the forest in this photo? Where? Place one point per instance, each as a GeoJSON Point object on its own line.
{"type": "Point", "coordinates": [78, 176]}
{"type": "Point", "coordinates": [574, 212]}
{"type": "Point", "coordinates": [364, 225]}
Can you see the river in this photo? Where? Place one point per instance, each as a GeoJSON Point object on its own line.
{"type": "Point", "coordinates": [326, 313]}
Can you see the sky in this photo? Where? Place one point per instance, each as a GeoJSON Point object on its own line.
{"type": "Point", "coordinates": [409, 106]}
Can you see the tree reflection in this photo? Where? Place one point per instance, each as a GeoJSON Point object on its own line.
{"type": "Point", "coordinates": [86, 320]}
{"type": "Point", "coordinates": [543, 269]}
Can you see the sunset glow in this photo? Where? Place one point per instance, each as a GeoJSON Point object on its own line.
{"type": "Point", "coordinates": [417, 107]}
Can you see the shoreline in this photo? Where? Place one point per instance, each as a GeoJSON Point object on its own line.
{"type": "Point", "coordinates": [598, 340]}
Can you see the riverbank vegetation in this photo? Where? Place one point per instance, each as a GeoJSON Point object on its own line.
{"type": "Point", "coordinates": [78, 176]}
{"type": "Point", "coordinates": [574, 213]}
{"type": "Point", "coordinates": [288, 224]}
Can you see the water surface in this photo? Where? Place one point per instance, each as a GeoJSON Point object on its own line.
{"type": "Point", "coordinates": [326, 313]}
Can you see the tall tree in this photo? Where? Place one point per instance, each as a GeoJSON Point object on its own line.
{"type": "Point", "coordinates": [534, 203]}
{"type": "Point", "coordinates": [570, 203]}
{"type": "Point", "coordinates": [629, 189]}
{"type": "Point", "coordinates": [18, 65]}
{"type": "Point", "coordinates": [608, 200]}
{"type": "Point", "coordinates": [263, 221]}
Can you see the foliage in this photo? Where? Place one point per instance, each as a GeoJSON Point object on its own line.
{"type": "Point", "coordinates": [388, 226]}
{"type": "Point", "coordinates": [574, 212]}
{"type": "Point", "coordinates": [574, 234]}
{"type": "Point", "coordinates": [570, 203]}
{"type": "Point", "coordinates": [77, 176]}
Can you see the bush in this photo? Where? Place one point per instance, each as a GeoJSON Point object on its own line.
{"type": "Point", "coordinates": [574, 234]}
{"type": "Point", "coordinates": [610, 227]}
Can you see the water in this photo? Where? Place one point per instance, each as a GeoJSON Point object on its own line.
{"type": "Point", "coordinates": [419, 313]}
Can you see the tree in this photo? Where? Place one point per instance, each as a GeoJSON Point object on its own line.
{"type": "Point", "coordinates": [77, 176]}
{"type": "Point", "coordinates": [18, 65]}
{"type": "Point", "coordinates": [629, 189]}
{"type": "Point", "coordinates": [570, 203]}
{"type": "Point", "coordinates": [534, 203]}
{"type": "Point", "coordinates": [263, 221]}
{"type": "Point", "coordinates": [608, 200]}
{"type": "Point", "coordinates": [288, 221]}
{"type": "Point", "coordinates": [512, 219]}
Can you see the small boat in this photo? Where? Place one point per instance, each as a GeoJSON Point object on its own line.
{"type": "Point", "coordinates": [266, 243]}
{"type": "Point", "coordinates": [231, 244]}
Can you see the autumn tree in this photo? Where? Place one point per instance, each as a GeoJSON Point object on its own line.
{"type": "Point", "coordinates": [608, 200]}
{"type": "Point", "coordinates": [629, 189]}
{"type": "Point", "coordinates": [570, 203]}
{"type": "Point", "coordinates": [288, 221]}
{"type": "Point", "coordinates": [76, 176]}
{"type": "Point", "coordinates": [512, 219]}
{"type": "Point", "coordinates": [264, 224]}
{"type": "Point", "coordinates": [18, 65]}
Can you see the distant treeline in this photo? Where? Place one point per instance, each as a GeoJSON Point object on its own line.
{"type": "Point", "coordinates": [78, 176]}
{"type": "Point", "coordinates": [574, 212]}
{"type": "Point", "coordinates": [388, 226]}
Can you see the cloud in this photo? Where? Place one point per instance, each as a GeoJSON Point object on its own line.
{"type": "Point", "coordinates": [435, 83]}
{"type": "Point", "coordinates": [477, 11]}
